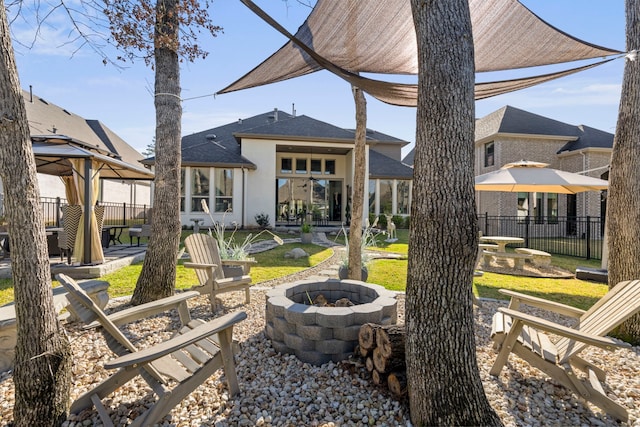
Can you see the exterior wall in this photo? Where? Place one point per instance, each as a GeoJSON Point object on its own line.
{"type": "Point", "coordinates": [260, 184]}
{"type": "Point", "coordinates": [390, 150]}
{"type": "Point", "coordinates": [129, 192]}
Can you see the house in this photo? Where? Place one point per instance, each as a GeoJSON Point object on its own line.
{"type": "Point", "coordinates": [510, 135]}
{"type": "Point", "coordinates": [54, 128]}
{"type": "Point", "coordinates": [287, 167]}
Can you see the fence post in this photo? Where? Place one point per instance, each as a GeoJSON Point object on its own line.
{"type": "Point", "coordinates": [588, 237]}
{"type": "Point", "coordinates": [486, 223]}
{"type": "Point", "coordinates": [144, 214]}
{"type": "Point", "coordinates": [527, 221]}
{"type": "Point", "coordinates": [57, 211]}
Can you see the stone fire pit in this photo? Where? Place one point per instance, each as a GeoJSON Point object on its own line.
{"type": "Point", "coordinates": [318, 335]}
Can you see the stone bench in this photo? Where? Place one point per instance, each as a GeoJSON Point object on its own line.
{"type": "Point", "coordinates": [97, 290]}
{"type": "Point", "coordinates": [540, 258]}
{"type": "Point", "coordinates": [518, 259]}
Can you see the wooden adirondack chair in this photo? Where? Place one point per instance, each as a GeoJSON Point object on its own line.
{"type": "Point", "coordinates": [206, 261]}
{"type": "Point", "coordinates": [191, 356]}
{"type": "Point", "coordinates": [522, 334]}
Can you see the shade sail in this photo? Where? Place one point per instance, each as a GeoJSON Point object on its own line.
{"type": "Point", "coordinates": [53, 159]}
{"type": "Point", "coordinates": [531, 177]}
{"type": "Point", "coordinates": [368, 36]}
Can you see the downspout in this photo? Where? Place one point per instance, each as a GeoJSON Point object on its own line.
{"type": "Point", "coordinates": [244, 197]}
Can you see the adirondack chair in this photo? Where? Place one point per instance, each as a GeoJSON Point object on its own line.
{"type": "Point", "coordinates": [191, 356]}
{"type": "Point", "coordinates": [516, 332]}
{"type": "Point", "coordinates": [206, 261]}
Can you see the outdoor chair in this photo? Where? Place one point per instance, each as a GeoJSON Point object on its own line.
{"type": "Point", "coordinates": [207, 263]}
{"type": "Point", "coordinates": [522, 334]}
{"type": "Point", "coordinates": [172, 369]}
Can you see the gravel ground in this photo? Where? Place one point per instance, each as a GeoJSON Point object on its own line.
{"type": "Point", "coordinates": [279, 390]}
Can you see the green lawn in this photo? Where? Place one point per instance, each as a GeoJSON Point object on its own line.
{"type": "Point", "coordinates": [391, 274]}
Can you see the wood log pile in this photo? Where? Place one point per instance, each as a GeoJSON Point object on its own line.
{"type": "Point", "coordinates": [382, 348]}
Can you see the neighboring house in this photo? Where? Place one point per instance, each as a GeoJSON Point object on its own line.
{"type": "Point", "coordinates": [287, 167]}
{"type": "Point", "coordinates": [510, 134]}
{"type": "Point", "coordinates": [49, 122]}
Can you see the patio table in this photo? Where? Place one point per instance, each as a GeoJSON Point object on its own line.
{"type": "Point", "coordinates": [501, 241]}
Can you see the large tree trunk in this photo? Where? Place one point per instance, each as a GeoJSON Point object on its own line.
{"type": "Point", "coordinates": [158, 275]}
{"type": "Point", "coordinates": [42, 374]}
{"type": "Point", "coordinates": [623, 203]}
{"type": "Point", "coordinates": [444, 381]}
{"type": "Point", "coordinates": [360, 161]}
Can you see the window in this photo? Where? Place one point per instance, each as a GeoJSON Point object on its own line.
{"type": "Point", "coordinates": [402, 190]}
{"type": "Point", "coordinates": [199, 188]}
{"type": "Point", "coordinates": [552, 208]}
{"type": "Point", "coordinates": [316, 166]}
{"type": "Point", "coordinates": [386, 196]}
{"type": "Point", "coordinates": [301, 166]}
{"type": "Point", "coordinates": [224, 190]}
{"type": "Point", "coordinates": [285, 165]}
{"type": "Point", "coordinates": [329, 167]}
{"type": "Point", "coordinates": [523, 206]}
{"type": "Point", "coordinates": [372, 196]}
{"type": "Point", "coordinates": [182, 176]}
{"type": "Point", "coordinates": [488, 154]}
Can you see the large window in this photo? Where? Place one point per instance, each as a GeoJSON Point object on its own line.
{"type": "Point", "coordinates": [372, 196]}
{"type": "Point", "coordinates": [552, 208]}
{"type": "Point", "coordinates": [386, 196]}
{"type": "Point", "coordinates": [182, 176]}
{"type": "Point", "coordinates": [329, 167]}
{"type": "Point", "coordinates": [488, 154]}
{"type": "Point", "coordinates": [224, 190]}
{"type": "Point", "coordinates": [402, 190]}
{"type": "Point", "coordinates": [316, 166]}
{"type": "Point", "coordinates": [285, 165]}
{"type": "Point", "coordinates": [199, 188]}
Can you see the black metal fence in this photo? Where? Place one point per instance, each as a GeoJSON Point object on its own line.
{"type": "Point", "coordinates": [573, 236]}
{"type": "Point", "coordinates": [114, 213]}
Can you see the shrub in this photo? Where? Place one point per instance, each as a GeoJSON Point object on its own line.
{"type": "Point", "coordinates": [262, 219]}
{"type": "Point", "coordinates": [306, 228]}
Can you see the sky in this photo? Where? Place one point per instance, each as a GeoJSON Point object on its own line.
{"type": "Point", "coordinates": [77, 80]}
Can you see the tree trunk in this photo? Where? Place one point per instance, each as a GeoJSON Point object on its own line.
{"type": "Point", "coordinates": [442, 371]}
{"type": "Point", "coordinates": [360, 161]}
{"type": "Point", "coordinates": [42, 373]}
{"type": "Point", "coordinates": [623, 203]}
{"type": "Point", "coordinates": [158, 275]}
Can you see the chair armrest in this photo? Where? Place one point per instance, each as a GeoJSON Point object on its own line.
{"type": "Point", "coordinates": [557, 329]}
{"type": "Point", "coordinates": [148, 309]}
{"type": "Point", "coordinates": [556, 307]}
{"type": "Point", "coordinates": [233, 280]}
{"type": "Point", "coordinates": [178, 342]}
{"type": "Point", "coordinates": [239, 261]}
{"type": "Point", "coordinates": [199, 265]}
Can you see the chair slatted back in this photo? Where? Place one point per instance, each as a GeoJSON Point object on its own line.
{"type": "Point", "coordinates": [203, 249]}
{"type": "Point", "coordinates": [71, 215]}
{"type": "Point", "coordinates": [619, 304]}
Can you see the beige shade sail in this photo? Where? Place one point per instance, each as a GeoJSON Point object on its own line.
{"type": "Point", "coordinates": [531, 177]}
{"type": "Point", "coordinates": [367, 36]}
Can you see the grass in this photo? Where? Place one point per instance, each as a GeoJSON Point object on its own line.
{"type": "Point", "coordinates": [391, 274]}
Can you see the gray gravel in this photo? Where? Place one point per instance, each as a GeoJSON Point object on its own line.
{"type": "Point", "coordinates": [279, 390]}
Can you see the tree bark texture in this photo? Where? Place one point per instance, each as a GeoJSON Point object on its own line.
{"type": "Point", "coordinates": [623, 203]}
{"type": "Point", "coordinates": [443, 378]}
{"type": "Point", "coordinates": [158, 275]}
{"type": "Point", "coordinates": [360, 159]}
{"type": "Point", "coordinates": [42, 373]}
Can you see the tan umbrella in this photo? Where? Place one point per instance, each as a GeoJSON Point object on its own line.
{"type": "Point", "coordinates": [531, 177]}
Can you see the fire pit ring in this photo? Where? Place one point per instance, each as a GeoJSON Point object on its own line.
{"type": "Point", "coordinates": [318, 335]}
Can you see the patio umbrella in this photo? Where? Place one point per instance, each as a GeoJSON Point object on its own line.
{"type": "Point", "coordinates": [531, 177]}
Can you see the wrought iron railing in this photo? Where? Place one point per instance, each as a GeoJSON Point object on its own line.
{"type": "Point", "coordinates": [573, 236]}
{"type": "Point", "coordinates": [114, 214]}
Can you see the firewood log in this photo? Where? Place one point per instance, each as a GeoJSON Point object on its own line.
{"type": "Point", "coordinates": [390, 340]}
{"type": "Point", "coordinates": [369, 364]}
{"type": "Point", "coordinates": [387, 364]}
{"type": "Point", "coordinates": [397, 383]}
{"type": "Point", "coordinates": [367, 336]}
{"type": "Point", "coordinates": [378, 378]}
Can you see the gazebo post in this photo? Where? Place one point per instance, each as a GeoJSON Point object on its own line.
{"type": "Point", "coordinates": [86, 256]}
